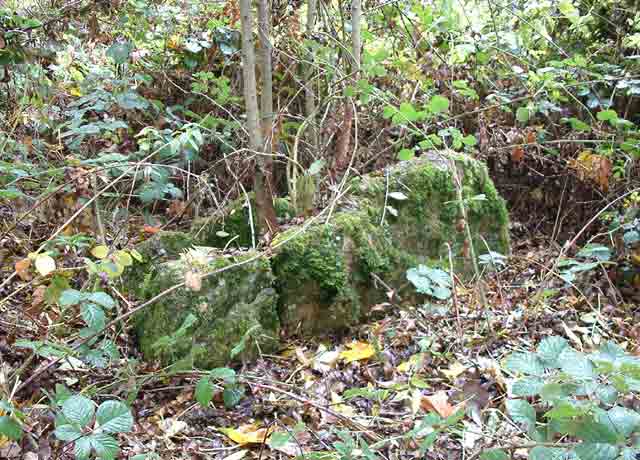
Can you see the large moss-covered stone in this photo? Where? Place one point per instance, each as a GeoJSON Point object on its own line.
{"type": "Point", "coordinates": [227, 301]}
{"type": "Point", "coordinates": [320, 277]}
{"type": "Point", "coordinates": [326, 274]}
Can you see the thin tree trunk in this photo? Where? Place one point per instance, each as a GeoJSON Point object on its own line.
{"type": "Point", "coordinates": [343, 142]}
{"type": "Point", "coordinates": [309, 71]}
{"type": "Point", "coordinates": [265, 211]}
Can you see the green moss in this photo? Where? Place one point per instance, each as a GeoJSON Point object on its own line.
{"type": "Point", "coordinates": [228, 305]}
{"type": "Point", "coordinates": [234, 222]}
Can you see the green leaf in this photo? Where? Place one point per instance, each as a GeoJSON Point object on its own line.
{"type": "Point", "coordinates": [547, 453]}
{"type": "Point", "coordinates": [494, 454]}
{"type": "Point", "coordinates": [232, 395]}
{"type": "Point", "coordinates": [522, 114]}
{"type": "Point", "coordinates": [316, 167]}
{"type": "Point", "coordinates": [103, 299]}
{"type": "Point", "coordinates": [67, 432]}
{"type": "Point", "coordinates": [204, 391]}
{"type": "Point", "coordinates": [579, 125]}
{"type": "Point", "coordinates": [607, 115]}
{"type": "Point", "coordinates": [527, 386]}
{"type": "Point", "coordinates": [607, 394]}
{"type": "Point", "coordinates": [114, 417]}
{"type": "Point", "coordinates": [551, 392]}
{"type": "Point", "coordinates": [119, 52]}
{"type": "Point", "coordinates": [590, 430]}
{"type": "Point", "coordinates": [523, 413]}
{"type": "Point", "coordinates": [78, 409]}
{"type": "Point", "coordinates": [525, 363]}
{"type": "Point", "coordinates": [621, 420]}
{"type": "Point", "coordinates": [576, 364]}
{"type": "Point", "coordinates": [223, 373]}
{"type": "Point", "coordinates": [70, 297]}
{"type": "Point", "coordinates": [550, 348]}
{"type": "Point", "coordinates": [438, 104]}
{"type": "Point", "coordinates": [406, 154]}
{"type": "Point", "coordinates": [106, 446]}
{"type": "Point", "coordinates": [82, 448]}
{"type": "Point", "coordinates": [469, 140]}
{"type": "Point", "coordinates": [596, 451]}
{"type": "Point", "coordinates": [10, 428]}
{"type": "Point", "coordinates": [563, 409]}
{"type": "Point", "coordinates": [93, 315]}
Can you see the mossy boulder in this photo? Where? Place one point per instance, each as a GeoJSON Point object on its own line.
{"type": "Point", "coordinates": [328, 275]}
{"type": "Point", "coordinates": [320, 277]}
{"type": "Point", "coordinates": [227, 301]}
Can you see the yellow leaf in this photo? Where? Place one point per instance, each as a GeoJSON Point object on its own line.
{"type": "Point", "coordinates": [136, 255]}
{"type": "Point", "coordinates": [357, 351]}
{"type": "Point", "coordinates": [123, 258]}
{"type": "Point", "coordinates": [413, 363]}
{"type": "Point", "coordinates": [45, 264]}
{"type": "Point", "coordinates": [245, 434]}
{"type": "Point", "coordinates": [100, 252]}
{"type": "Point", "coordinates": [454, 370]}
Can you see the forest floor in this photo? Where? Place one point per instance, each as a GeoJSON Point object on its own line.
{"type": "Point", "coordinates": [373, 385]}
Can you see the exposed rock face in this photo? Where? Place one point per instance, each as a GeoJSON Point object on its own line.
{"type": "Point", "coordinates": [320, 277]}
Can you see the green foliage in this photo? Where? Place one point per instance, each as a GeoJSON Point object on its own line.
{"type": "Point", "coordinates": [91, 431]}
{"type": "Point", "coordinates": [578, 395]}
{"type": "Point", "coordinates": [10, 421]}
{"type": "Point", "coordinates": [430, 281]}
{"type": "Point", "coordinates": [232, 393]}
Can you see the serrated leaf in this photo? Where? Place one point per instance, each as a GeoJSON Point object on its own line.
{"type": "Point", "coordinates": [93, 315]}
{"type": "Point", "coordinates": [204, 391]}
{"type": "Point", "coordinates": [576, 364]}
{"type": "Point", "coordinates": [621, 420]}
{"type": "Point", "coordinates": [70, 297]}
{"type": "Point", "coordinates": [78, 409]}
{"type": "Point", "coordinates": [527, 386]}
{"type": "Point", "coordinates": [590, 430]}
{"type": "Point", "coordinates": [102, 298]}
{"type": "Point", "coordinates": [67, 432]}
{"type": "Point", "coordinates": [596, 451]}
{"type": "Point", "coordinates": [525, 363]}
{"type": "Point", "coordinates": [10, 428]}
{"type": "Point", "coordinates": [100, 252]}
{"type": "Point", "coordinates": [522, 413]}
{"type": "Point", "coordinates": [550, 348]}
{"type": "Point", "coordinates": [106, 446]}
{"type": "Point", "coordinates": [114, 417]}
{"type": "Point", "coordinates": [45, 264]}
{"type": "Point", "coordinates": [82, 448]}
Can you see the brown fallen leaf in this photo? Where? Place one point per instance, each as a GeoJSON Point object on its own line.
{"type": "Point", "coordinates": [22, 269]}
{"type": "Point", "coordinates": [438, 402]}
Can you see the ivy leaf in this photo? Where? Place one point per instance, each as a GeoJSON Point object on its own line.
{"type": "Point", "coordinates": [523, 413]}
{"type": "Point", "coordinates": [78, 409]}
{"type": "Point", "coordinates": [204, 391]}
{"type": "Point", "coordinates": [114, 417]}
